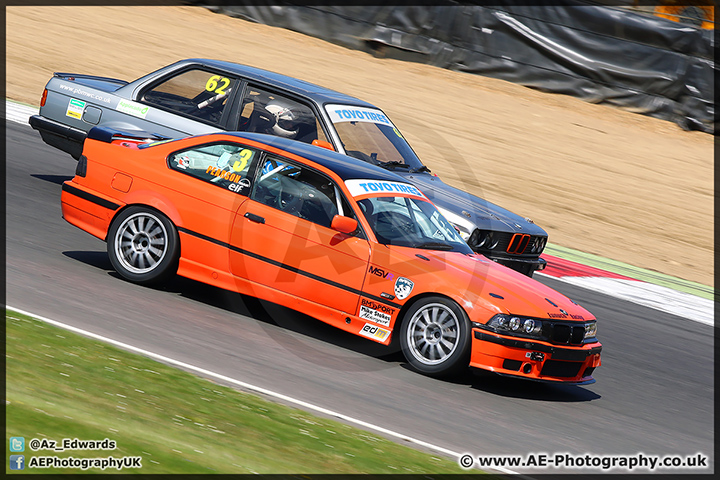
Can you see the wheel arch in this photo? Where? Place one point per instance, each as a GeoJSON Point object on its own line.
{"type": "Point", "coordinates": [157, 208]}
{"type": "Point", "coordinates": [152, 202]}
{"type": "Point", "coordinates": [413, 300]}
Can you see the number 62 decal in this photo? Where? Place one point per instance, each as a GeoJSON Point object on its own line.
{"type": "Point", "coordinates": [217, 84]}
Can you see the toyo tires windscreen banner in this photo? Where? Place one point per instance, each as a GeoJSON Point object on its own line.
{"type": "Point", "coordinates": [602, 54]}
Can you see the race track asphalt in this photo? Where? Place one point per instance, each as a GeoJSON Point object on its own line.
{"type": "Point", "coordinates": [654, 392]}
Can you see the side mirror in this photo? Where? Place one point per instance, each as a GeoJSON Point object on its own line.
{"type": "Point", "coordinates": [323, 144]}
{"type": "Point", "coordinates": [345, 225]}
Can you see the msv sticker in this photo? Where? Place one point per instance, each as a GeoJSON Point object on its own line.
{"type": "Point", "coordinates": [403, 287]}
{"type": "Point", "coordinates": [359, 187]}
{"type": "Point", "coordinates": [348, 113]}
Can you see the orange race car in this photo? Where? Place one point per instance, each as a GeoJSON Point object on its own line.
{"type": "Point", "coordinates": [341, 240]}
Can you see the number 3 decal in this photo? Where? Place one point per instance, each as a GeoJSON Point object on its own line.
{"type": "Point", "coordinates": [212, 84]}
{"type": "Point", "coordinates": [245, 156]}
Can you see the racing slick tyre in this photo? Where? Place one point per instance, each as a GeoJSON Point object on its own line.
{"type": "Point", "coordinates": [435, 336]}
{"type": "Point", "coordinates": [143, 245]}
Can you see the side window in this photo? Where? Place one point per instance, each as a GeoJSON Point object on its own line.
{"type": "Point", "coordinates": [299, 191]}
{"type": "Point", "coordinates": [265, 112]}
{"type": "Point", "coordinates": [196, 93]}
{"type": "Point", "coordinates": [226, 165]}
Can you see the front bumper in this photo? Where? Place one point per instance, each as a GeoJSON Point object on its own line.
{"type": "Point", "coordinates": [534, 359]}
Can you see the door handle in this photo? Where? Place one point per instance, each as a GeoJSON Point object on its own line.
{"type": "Point", "coordinates": [254, 218]}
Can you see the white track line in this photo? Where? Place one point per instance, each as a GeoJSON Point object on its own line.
{"type": "Point", "coordinates": [665, 299]}
{"type": "Point", "coordinates": [252, 388]}
{"type": "Point", "coordinates": [18, 112]}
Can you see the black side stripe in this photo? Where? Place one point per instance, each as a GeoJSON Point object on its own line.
{"type": "Point", "coordinates": [288, 267]}
{"type": "Point", "coordinates": [89, 197]}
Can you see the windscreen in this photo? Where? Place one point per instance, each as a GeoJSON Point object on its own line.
{"type": "Point", "coordinates": [407, 220]}
{"type": "Point", "coordinates": [367, 134]}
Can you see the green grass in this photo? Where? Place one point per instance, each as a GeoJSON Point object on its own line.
{"type": "Point", "coordinates": [62, 385]}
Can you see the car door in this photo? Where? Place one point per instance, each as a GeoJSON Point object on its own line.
{"type": "Point", "coordinates": [285, 240]}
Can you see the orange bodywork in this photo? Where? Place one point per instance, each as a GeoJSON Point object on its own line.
{"type": "Point", "coordinates": [345, 280]}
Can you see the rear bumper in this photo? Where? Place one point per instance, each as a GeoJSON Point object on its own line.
{"type": "Point", "coordinates": [58, 135]}
{"type": "Point", "coordinates": [535, 360]}
{"type": "Point", "coordinates": [87, 210]}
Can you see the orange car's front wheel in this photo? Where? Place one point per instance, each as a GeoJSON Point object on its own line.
{"type": "Point", "coordinates": [143, 245]}
{"type": "Point", "coordinates": [435, 336]}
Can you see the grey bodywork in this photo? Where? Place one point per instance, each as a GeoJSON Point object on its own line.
{"type": "Point", "coordinates": [495, 231]}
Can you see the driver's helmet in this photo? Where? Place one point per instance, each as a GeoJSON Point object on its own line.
{"type": "Point", "coordinates": [287, 119]}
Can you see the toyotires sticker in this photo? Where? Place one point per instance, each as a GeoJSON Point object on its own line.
{"type": "Point", "coordinates": [349, 113]}
{"type": "Point", "coordinates": [359, 187]}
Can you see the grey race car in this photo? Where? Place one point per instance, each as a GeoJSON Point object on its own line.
{"type": "Point", "coordinates": [196, 96]}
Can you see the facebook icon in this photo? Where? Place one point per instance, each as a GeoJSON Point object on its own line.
{"type": "Point", "coordinates": [17, 462]}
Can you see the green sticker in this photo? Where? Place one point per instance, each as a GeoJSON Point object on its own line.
{"type": "Point", "coordinates": [132, 108]}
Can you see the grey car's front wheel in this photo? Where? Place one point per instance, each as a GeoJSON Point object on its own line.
{"type": "Point", "coordinates": [435, 336]}
{"type": "Point", "coordinates": [143, 245]}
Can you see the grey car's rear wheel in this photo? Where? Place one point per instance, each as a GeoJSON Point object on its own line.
{"type": "Point", "coordinates": [435, 336]}
{"type": "Point", "coordinates": [143, 245]}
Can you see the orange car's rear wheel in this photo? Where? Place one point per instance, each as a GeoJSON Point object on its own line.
{"type": "Point", "coordinates": [143, 245]}
{"type": "Point", "coordinates": [435, 336]}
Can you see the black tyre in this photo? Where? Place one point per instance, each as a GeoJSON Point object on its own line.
{"type": "Point", "coordinates": [143, 245]}
{"type": "Point", "coordinates": [435, 336]}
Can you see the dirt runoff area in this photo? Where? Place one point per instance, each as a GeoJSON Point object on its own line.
{"type": "Point", "coordinates": [598, 179]}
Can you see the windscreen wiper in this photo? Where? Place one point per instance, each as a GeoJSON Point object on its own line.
{"type": "Point", "coordinates": [419, 169]}
{"type": "Point", "coordinates": [435, 246]}
{"type": "Point", "coordinates": [393, 164]}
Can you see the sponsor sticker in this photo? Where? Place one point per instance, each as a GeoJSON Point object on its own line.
{"type": "Point", "coordinates": [349, 113]}
{"type": "Point", "coordinates": [379, 272]}
{"type": "Point", "coordinates": [403, 287]}
{"type": "Point", "coordinates": [75, 108]}
{"type": "Point", "coordinates": [374, 316]}
{"type": "Point", "coordinates": [133, 108]}
{"type": "Point", "coordinates": [373, 331]}
{"type": "Point", "coordinates": [359, 187]}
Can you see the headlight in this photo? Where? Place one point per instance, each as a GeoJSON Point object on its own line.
{"type": "Point", "coordinates": [590, 330]}
{"type": "Point", "coordinates": [513, 324]}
